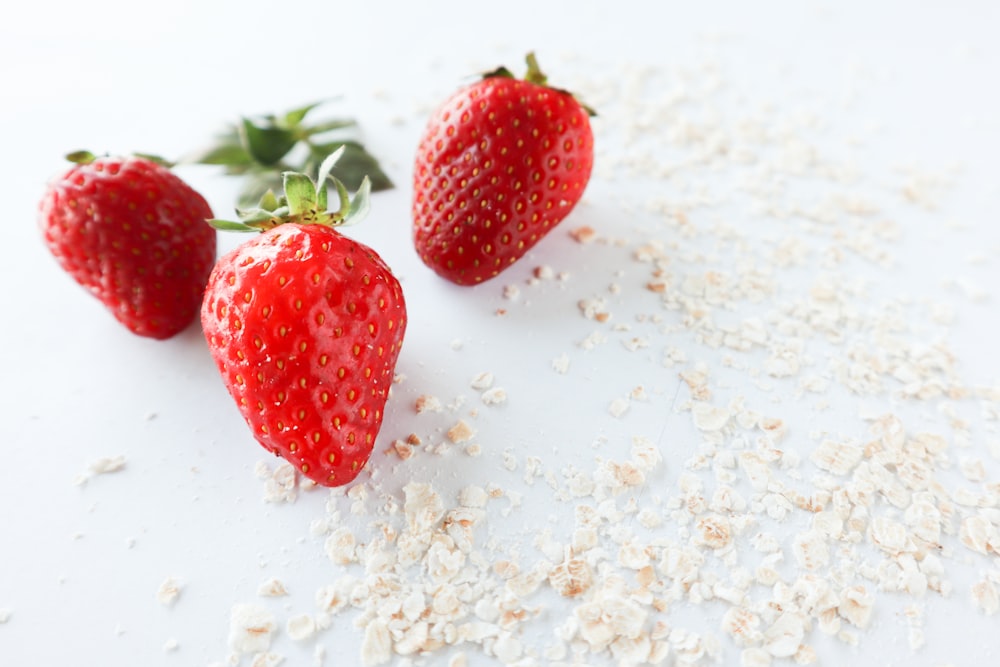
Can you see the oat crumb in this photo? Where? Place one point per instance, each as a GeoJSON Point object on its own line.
{"type": "Point", "coordinates": [494, 396]}
{"type": "Point", "coordinates": [460, 432]}
{"type": "Point", "coordinates": [428, 403]}
{"type": "Point", "coordinates": [561, 364]}
{"type": "Point", "coordinates": [168, 592]}
{"type": "Point", "coordinates": [272, 588]}
{"type": "Point", "coordinates": [583, 234]}
{"type": "Point", "coordinates": [511, 292]}
{"type": "Point", "coordinates": [250, 628]}
{"type": "Point", "coordinates": [618, 407]}
{"type": "Point", "coordinates": [300, 627]}
{"type": "Point", "coordinates": [267, 659]}
{"type": "Point", "coordinates": [482, 381]}
{"type": "Point", "coordinates": [102, 466]}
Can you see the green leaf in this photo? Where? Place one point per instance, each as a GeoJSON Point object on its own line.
{"type": "Point", "coordinates": [231, 226]}
{"type": "Point", "coordinates": [295, 117]}
{"type": "Point", "coordinates": [163, 162]}
{"type": "Point", "coordinates": [257, 184]}
{"type": "Point", "coordinates": [268, 201]}
{"type": "Point", "coordinates": [331, 125]}
{"type": "Point", "coordinates": [361, 203]}
{"type": "Point", "coordinates": [327, 165]}
{"type": "Point", "coordinates": [322, 197]}
{"type": "Point", "coordinates": [81, 157]}
{"type": "Point", "coordinates": [259, 149]}
{"type": "Point", "coordinates": [354, 165]}
{"type": "Point", "coordinates": [499, 72]}
{"type": "Point", "coordinates": [300, 192]}
{"type": "Point", "coordinates": [323, 176]}
{"type": "Point", "coordinates": [267, 145]}
{"type": "Point", "coordinates": [254, 216]}
{"type": "Point", "coordinates": [225, 154]}
{"type": "Point", "coordinates": [344, 196]}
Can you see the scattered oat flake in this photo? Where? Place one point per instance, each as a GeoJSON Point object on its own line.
{"type": "Point", "coordinates": [494, 396]}
{"type": "Point", "coordinates": [755, 657]}
{"type": "Point", "coordinates": [107, 464]}
{"type": "Point", "coordinates": [460, 432]}
{"type": "Point", "coordinates": [714, 531]}
{"type": "Point", "coordinates": [281, 486]}
{"type": "Point", "coordinates": [267, 659]}
{"type": "Point", "coordinates": [544, 272]}
{"type": "Point", "coordinates": [376, 647]}
{"type": "Point", "coordinates": [709, 417]}
{"type": "Point", "coordinates": [168, 592]}
{"type": "Point", "coordinates": [5, 614]}
{"type": "Point", "coordinates": [272, 588]}
{"type": "Point", "coordinates": [341, 546]}
{"type": "Point", "coordinates": [979, 534]}
{"type": "Point", "coordinates": [856, 605]}
{"type": "Point", "coordinates": [986, 595]}
{"type": "Point", "coordinates": [402, 448]}
{"type": "Point", "coordinates": [102, 466]}
{"type": "Point", "coordinates": [783, 637]}
{"type": "Point", "coordinates": [300, 627]}
{"type": "Point", "coordinates": [571, 577]}
{"type": "Point", "coordinates": [482, 381]}
{"type": "Point", "coordinates": [251, 627]}
{"type": "Point", "coordinates": [836, 457]}
{"type": "Point", "coordinates": [428, 403]}
{"type": "Point", "coordinates": [561, 364]}
{"type": "Point", "coordinates": [618, 407]}
{"type": "Point", "coordinates": [583, 234]}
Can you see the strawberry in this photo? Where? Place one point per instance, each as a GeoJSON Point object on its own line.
{"type": "Point", "coordinates": [133, 234]}
{"type": "Point", "coordinates": [305, 326]}
{"type": "Point", "coordinates": [499, 164]}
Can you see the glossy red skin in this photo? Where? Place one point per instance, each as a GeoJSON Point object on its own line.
{"type": "Point", "coordinates": [305, 326]}
{"type": "Point", "coordinates": [135, 236]}
{"type": "Point", "coordinates": [500, 164]}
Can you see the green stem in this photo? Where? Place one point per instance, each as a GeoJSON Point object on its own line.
{"type": "Point", "coordinates": [535, 74]}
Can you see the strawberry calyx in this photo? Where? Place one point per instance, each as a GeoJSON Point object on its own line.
{"type": "Point", "coordinates": [83, 157]}
{"type": "Point", "coordinates": [535, 75]}
{"type": "Point", "coordinates": [260, 149]}
{"type": "Point", "coordinates": [304, 201]}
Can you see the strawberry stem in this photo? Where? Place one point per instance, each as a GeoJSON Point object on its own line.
{"type": "Point", "coordinates": [535, 74]}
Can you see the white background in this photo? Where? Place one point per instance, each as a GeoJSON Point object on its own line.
{"type": "Point", "coordinates": [895, 86]}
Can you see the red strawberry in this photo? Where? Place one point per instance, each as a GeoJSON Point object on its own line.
{"type": "Point", "coordinates": [498, 166]}
{"type": "Point", "coordinates": [305, 326]}
{"type": "Point", "coordinates": [134, 234]}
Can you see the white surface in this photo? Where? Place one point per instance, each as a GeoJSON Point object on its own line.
{"type": "Point", "coordinates": [879, 91]}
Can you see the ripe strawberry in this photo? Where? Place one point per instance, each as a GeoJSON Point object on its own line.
{"type": "Point", "coordinates": [500, 163]}
{"type": "Point", "coordinates": [305, 326]}
{"type": "Point", "coordinates": [133, 234]}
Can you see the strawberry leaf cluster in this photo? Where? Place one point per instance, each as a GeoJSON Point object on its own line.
{"type": "Point", "coordinates": [262, 148]}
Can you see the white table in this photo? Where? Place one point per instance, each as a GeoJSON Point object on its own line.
{"type": "Point", "coordinates": [794, 207]}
